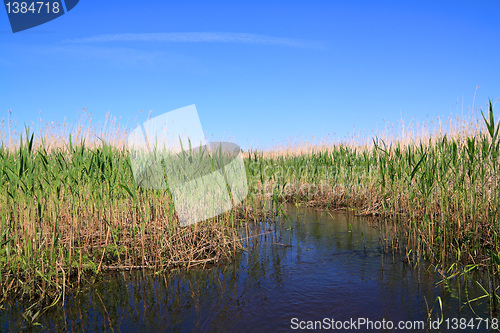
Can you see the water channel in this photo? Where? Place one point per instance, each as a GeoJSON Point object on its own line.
{"type": "Point", "coordinates": [312, 269]}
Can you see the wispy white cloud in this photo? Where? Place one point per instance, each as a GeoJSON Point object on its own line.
{"type": "Point", "coordinates": [115, 54]}
{"type": "Point", "coordinates": [114, 57]}
{"type": "Point", "coordinates": [199, 37]}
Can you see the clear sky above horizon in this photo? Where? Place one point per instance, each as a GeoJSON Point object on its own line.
{"type": "Point", "coordinates": [260, 73]}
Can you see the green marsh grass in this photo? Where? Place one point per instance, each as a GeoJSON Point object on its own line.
{"type": "Point", "coordinates": [442, 194]}
{"type": "Point", "coordinates": [69, 211]}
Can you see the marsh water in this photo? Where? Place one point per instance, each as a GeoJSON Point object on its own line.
{"type": "Point", "coordinates": [311, 268]}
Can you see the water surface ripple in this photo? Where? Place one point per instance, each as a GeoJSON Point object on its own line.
{"type": "Point", "coordinates": [311, 266]}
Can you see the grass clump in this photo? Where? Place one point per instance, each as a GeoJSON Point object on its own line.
{"type": "Point", "coordinates": [68, 213]}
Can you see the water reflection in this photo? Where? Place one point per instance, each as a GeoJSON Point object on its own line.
{"type": "Point", "coordinates": [312, 266]}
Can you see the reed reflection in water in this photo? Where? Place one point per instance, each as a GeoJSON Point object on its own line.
{"type": "Point", "coordinates": [311, 265]}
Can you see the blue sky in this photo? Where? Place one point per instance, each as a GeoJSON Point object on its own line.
{"type": "Point", "coordinates": [261, 73]}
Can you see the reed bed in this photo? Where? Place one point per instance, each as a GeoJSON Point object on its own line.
{"type": "Point", "coordinates": [68, 213]}
{"type": "Point", "coordinates": [442, 193]}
